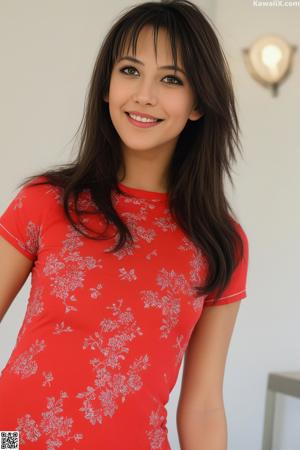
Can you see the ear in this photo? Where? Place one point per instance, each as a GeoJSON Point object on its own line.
{"type": "Point", "coordinates": [195, 114]}
{"type": "Point", "coordinates": [105, 98]}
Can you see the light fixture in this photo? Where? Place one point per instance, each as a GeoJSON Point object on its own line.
{"type": "Point", "coordinates": [269, 60]}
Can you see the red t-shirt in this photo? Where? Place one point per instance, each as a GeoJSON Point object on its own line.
{"type": "Point", "coordinates": [103, 337]}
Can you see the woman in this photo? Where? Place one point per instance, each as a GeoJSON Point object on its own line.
{"type": "Point", "coordinates": [129, 246]}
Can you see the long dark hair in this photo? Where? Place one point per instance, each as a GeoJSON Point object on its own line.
{"type": "Point", "coordinates": [204, 150]}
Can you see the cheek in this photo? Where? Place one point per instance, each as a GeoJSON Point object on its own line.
{"type": "Point", "coordinates": [178, 106]}
{"type": "Point", "coordinates": [117, 90]}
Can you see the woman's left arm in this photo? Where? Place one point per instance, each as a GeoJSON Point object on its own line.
{"type": "Point", "coordinates": [201, 418]}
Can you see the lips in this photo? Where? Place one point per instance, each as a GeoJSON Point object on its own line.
{"type": "Point", "coordinates": [146, 116]}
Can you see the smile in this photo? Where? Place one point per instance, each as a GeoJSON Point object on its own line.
{"type": "Point", "coordinates": [142, 124]}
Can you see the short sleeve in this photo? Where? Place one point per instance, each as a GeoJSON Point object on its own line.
{"type": "Point", "coordinates": [20, 223]}
{"type": "Point", "coordinates": [236, 288]}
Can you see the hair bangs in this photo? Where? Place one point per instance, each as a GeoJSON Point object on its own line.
{"type": "Point", "coordinates": [129, 35]}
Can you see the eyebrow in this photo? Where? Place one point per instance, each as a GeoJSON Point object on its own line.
{"type": "Point", "coordinates": [131, 58]}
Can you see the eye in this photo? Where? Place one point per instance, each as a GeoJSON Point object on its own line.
{"type": "Point", "coordinates": [126, 68]}
{"type": "Point", "coordinates": [178, 81]}
{"type": "Point", "coordinates": [174, 78]}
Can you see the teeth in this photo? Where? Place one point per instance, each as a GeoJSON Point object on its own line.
{"type": "Point", "coordinates": [141, 119]}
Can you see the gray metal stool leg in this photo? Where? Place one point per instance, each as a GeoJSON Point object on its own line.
{"type": "Point", "coordinates": [286, 383]}
{"type": "Point", "coordinates": [269, 420]}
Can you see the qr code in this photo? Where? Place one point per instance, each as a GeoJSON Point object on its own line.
{"type": "Point", "coordinates": [9, 439]}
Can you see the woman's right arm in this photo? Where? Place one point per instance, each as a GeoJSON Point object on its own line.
{"type": "Point", "coordinates": [14, 271]}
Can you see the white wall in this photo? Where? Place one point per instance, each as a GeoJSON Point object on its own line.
{"type": "Point", "coordinates": [47, 54]}
{"type": "Point", "coordinates": [267, 338]}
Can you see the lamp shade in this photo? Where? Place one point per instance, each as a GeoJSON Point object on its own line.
{"type": "Point", "coordinates": [269, 59]}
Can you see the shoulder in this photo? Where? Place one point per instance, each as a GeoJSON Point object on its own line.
{"type": "Point", "coordinates": [33, 201]}
{"type": "Point", "coordinates": [241, 231]}
{"type": "Point", "coordinates": [38, 192]}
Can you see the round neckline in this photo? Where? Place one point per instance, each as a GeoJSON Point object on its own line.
{"type": "Point", "coordinates": [142, 193]}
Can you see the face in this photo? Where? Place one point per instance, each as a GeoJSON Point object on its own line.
{"type": "Point", "coordinates": [146, 88]}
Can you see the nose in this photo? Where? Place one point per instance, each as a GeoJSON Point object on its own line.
{"type": "Point", "coordinates": [145, 93]}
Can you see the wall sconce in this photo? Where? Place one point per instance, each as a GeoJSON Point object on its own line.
{"type": "Point", "coordinates": [269, 60]}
